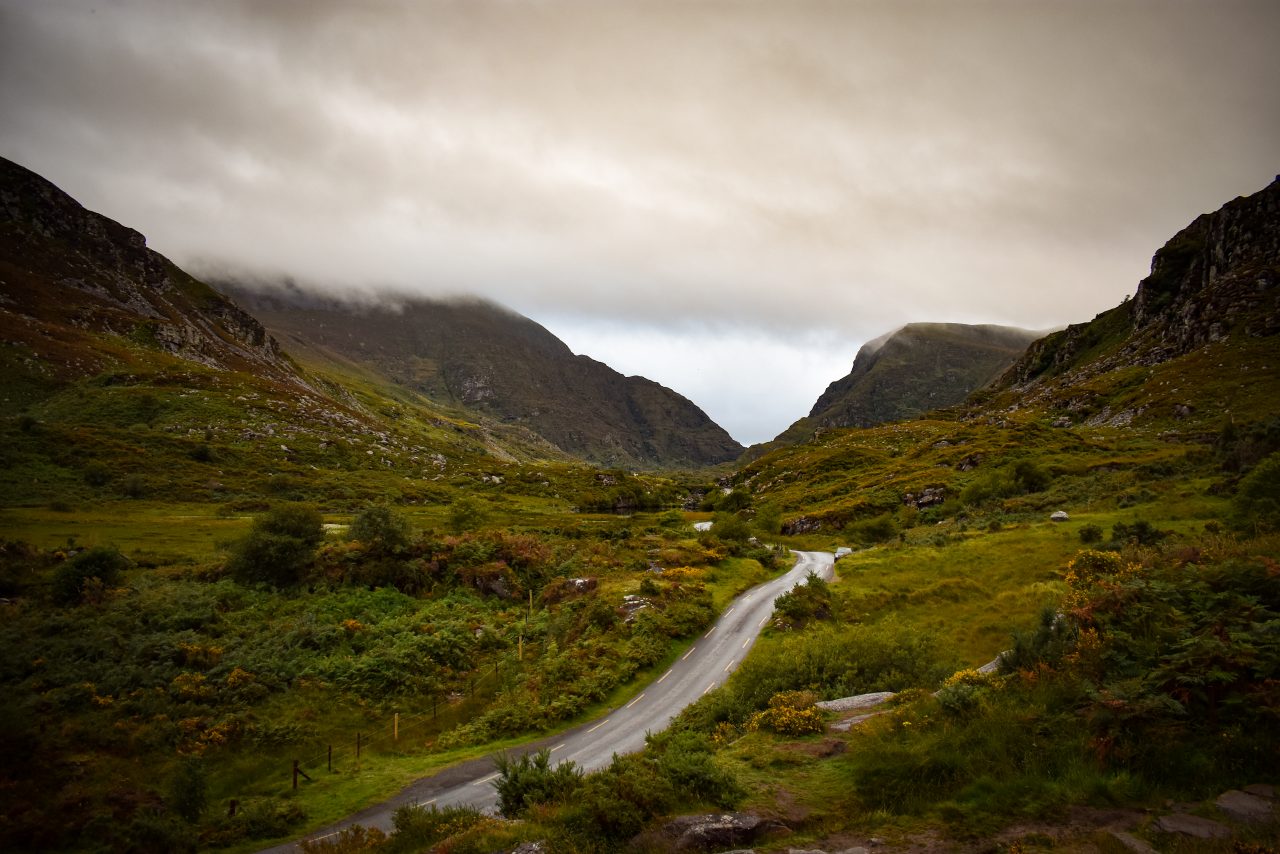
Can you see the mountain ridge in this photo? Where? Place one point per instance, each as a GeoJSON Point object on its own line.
{"type": "Point", "coordinates": [484, 356]}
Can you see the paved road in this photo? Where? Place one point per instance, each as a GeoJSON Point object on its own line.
{"type": "Point", "coordinates": [705, 666]}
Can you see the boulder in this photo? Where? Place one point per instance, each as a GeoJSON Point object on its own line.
{"type": "Point", "coordinates": [1192, 825]}
{"type": "Point", "coordinates": [861, 701]}
{"type": "Point", "coordinates": [1131, 842]}
{"type": "Point", "coordinates": [1245, 807]}
{"type": "Point", "coordinates": [718, 831]}
{"type": "Point", "coordinates": [1059, 516]}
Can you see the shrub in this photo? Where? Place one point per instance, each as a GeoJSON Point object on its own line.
{"type": "Point", "coordinates": [101, 562]}
{"type": "Point", "coordinates": [790, 713]}
{"type": "Point", "coordinates": [530, 779]}
{"type": "Point", "coordinates": [279, 547]}
{"type": "Point", "coordinates": [804, 602]}
{"type": "Point", "coordinates": [467, 514]}
{"type": "Point", "coordinates": [1257, 501]}
{"type": "Point", "coordinates": [418, 827]}
{"type": "Point", "coordinates": [1090, 533]}
{"type": "Point", "coordinates": [188, 791]}
{"type": "Point", "coordinates": [381, 529]}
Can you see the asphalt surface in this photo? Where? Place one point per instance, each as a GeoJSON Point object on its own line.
{"type": "Point", "coordinates": [705, 666]}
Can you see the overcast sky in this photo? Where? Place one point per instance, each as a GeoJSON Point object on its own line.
{"type": "Point", "coordinates": [726, 197]}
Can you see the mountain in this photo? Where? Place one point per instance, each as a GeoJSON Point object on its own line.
{"type": "Point", "coordinates": [489, 359]}
{"type": "Point", "coordinates": [71, 280]}
{"type": "Point", "coordinates": [1196, 341]}
{"type": "Point", "coordinates": [126, 376]}
{"type": "Point", "coordinates": [1184, 378]}
{"type": "Point", "coordinates": [908, 372]}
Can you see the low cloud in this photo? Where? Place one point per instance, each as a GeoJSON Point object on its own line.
{"type": "Point", "coordinates": [779, 172]}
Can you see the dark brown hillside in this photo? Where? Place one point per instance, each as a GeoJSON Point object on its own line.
{"type": "Point", "coordinates": [487, 358]}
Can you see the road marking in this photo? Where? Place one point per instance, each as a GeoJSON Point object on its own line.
{"type": "Point", "coordinates": [557, 747]}
{"type": "Point", "coordinates": [745, 642]}
{"type": "Point", "coordinates": [689, 653]}
{"type": "Point", "coordinates": [664, 676]}
{"type": "Point", "coordinates": [726, 667]}
{"type": "Point", "coordinates": [708, 688]}
{"type": "Point", "coordinates": [597, 726]}
{"type": "Point", "coordinates": [708, 634]}
{"type": "Point", "coordinates": [765, 620]}
{"type": "Point", "coordinates": [727, 613]}
{"type": "Point", "coordinates": [485, 780]}
{"type": "Point", "coordinates": [633, 702]}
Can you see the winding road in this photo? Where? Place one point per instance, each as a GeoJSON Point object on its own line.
{"type": "Point", "coordinates": [705, 666]}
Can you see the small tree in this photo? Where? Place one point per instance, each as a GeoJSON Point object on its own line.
{"type": "Point", "coordinates": [381, 529]}
{"type": "Point", "coordinates": [188, 791]}
{"type": "Point", "coordinates": [467, 514]}
{"type": "Point", "coordinates": [101, 562]}
{"type": "Point", "coordinates": [281, 544]}
{"type": "Point", "coordinates": [530, 779]}
{"type": "Point", "coordinates": [1257, 501]}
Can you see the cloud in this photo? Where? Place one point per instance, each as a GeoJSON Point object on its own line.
{"type": "Point", "coordinates": [769, 168]}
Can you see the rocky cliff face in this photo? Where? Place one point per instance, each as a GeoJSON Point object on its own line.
{"type": "Point", "coordinates": [499, 363]}
{"type": "Point", "coordinates": [1215, 279]}
{"type": "Point", "coordinates": [66, 271]}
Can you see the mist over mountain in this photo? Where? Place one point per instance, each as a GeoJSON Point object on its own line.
{"type": "Point", "coordinates": [489, 359]}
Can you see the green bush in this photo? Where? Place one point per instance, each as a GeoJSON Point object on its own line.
{"type": "Point", "coordinates": [1257, 501]}
{"type": "Point", "coordinates": [101, 562]}
{"type": "Point", "coordinates": [530, 779]}
{"type": "Point", "coordinates": [188, 791]}
{"type": "Point", "coordinates": [381, 529]}
{"type": "Point", "coordinates": [1090, 534]}
{"type": "Point", "coordinates": [279, 547]}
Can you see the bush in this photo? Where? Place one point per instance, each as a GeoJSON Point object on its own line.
{"type": "Point", "coordinates": [279, 547]}
{"type": "Point", "coordinates": [101, 562]}
{"type": "Point", "coordinates": [790, 713]}
{"type": "Point", "coordinates": [467, 514]}
{"type": "Point", "coordinates": [1090, 534]}
{"type": "Point", "coordinates": [381, 529]}
{"type": "Point", "coordinates": [804, 602]}
{"type": "Point", "coordinates": [530, 780]}
{"type": "Point", "coordinates": [188, 791]}
{"type": "Point", "coordinates": [1257, 501]}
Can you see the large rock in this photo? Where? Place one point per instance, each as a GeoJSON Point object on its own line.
{"type": "Point", "coordinates": [860, 701]}
{"type": "Point", "coordinates": [718, 831]}
{"type": "Point", "coordinates": [1245, 807]}
{"type": "Point", "coordinates": [1192, 825]}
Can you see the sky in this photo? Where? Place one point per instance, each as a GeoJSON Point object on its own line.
{"type": "Point", "coordinates": [726, 197]}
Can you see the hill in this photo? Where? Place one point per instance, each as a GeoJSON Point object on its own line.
{"type": "Point", "coordinates": [491, 360]}
{"type": "Point", "coordinates": [127, 377]}
{"type": "Point", "coordinates": [908, 372]}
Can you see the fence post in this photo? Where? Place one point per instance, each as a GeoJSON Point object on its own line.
{"type": "Point", "coordinates": [295, 775]}
{"type": "Point", "coordinates": [331, 757]}
{"type": "Point", "coordinates": [395, 727]}
{"type": "Point", "coordinates": [357, 745]}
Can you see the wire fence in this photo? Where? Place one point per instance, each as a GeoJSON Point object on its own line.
{"type": "Point", "coordinates": [411, 728]}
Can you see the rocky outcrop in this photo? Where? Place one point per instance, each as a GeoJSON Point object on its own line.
{"type": "Point", "coordinates": [65, 271]}
{"type": "Point", "coordinates": [1215, 278]}
{"type": "Point", "coordinates": [718, 831]}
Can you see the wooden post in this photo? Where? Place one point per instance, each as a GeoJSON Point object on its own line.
{"type": "Point", "coordinates": [395, 727]}
{"type": "Point", "coordinates": [231, 808]}
{"type": "Point", "coordinates": [295, 775]}
{"type": "Point", "coordinates": [331, 757]}
{"type": "Point", "coordinates": [435, 699]}
{"type": "Point", "coordinates": [357, 745]}
{"type": "Point", "coordinates": [521, 646]}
